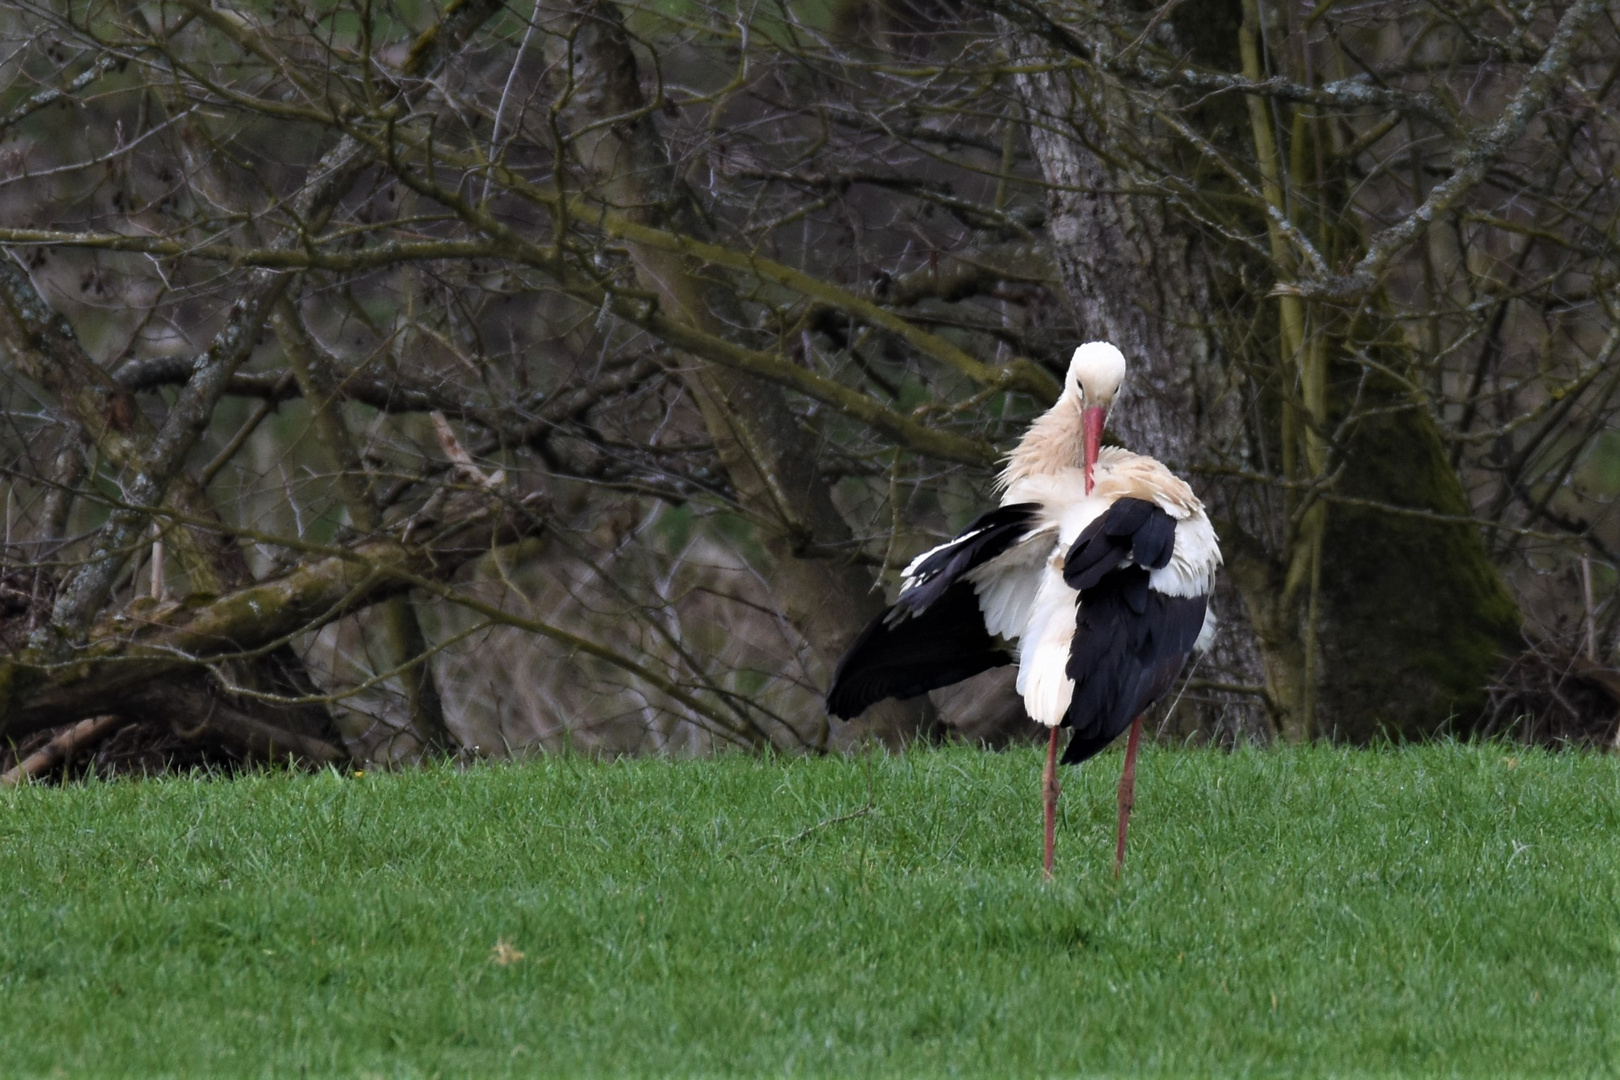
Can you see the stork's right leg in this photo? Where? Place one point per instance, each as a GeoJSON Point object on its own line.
{"type": "Point", "coordinates": [1127, 793]}
{"type": "Point", "coordinates": [1049, 798]}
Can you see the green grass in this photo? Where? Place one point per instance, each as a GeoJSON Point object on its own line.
{"type": "Point", "coordinates": [1437, 911]}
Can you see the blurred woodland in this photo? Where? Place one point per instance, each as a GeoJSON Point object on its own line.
{"type": "Point", "coordinates": [385, 379]}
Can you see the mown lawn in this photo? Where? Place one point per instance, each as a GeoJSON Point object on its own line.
{"type": "Point", "coordinates": [1438, 911]}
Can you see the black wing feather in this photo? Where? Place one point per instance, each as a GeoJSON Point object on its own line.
{"type": "Point", "coordinates": [988, 536]}
{"type": "Point", "coordinates": [934, 633]}
{"type": "Point", "coordinates": [1153, 543]}
{"type": "Point", "coordinates": [1105, 545]}
{"type": "Point", "coordinates": [913, 656]}
{"type": "Point", "coordinates": [1130, 640]}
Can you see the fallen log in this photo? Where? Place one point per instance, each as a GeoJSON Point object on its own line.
{"type": "Point", "coordinates": [154, 657]}
{"type": "Point", "coordinates": [81, 736]}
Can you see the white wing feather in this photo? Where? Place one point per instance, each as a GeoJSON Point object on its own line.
{"type": "Point", "coordinates": [1007, 584]}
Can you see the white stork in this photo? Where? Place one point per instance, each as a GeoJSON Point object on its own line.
{"type": "Point", "coordinates": [1098, 564]}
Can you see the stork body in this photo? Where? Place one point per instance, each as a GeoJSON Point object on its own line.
{"type": "Point", "coordinates": [1093, 575]}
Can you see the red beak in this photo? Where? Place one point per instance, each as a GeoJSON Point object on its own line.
{"type": "Point", "coordinates": [1091, 421]}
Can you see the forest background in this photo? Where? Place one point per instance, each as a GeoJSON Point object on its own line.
{"type": "Point", "coordinates": [386, 379]}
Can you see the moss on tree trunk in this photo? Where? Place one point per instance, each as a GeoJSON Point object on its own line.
{"type": "Point", "coordinates": [1415, 615]}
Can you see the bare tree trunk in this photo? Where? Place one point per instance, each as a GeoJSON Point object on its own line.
{"type": "Point", "coordinates": [1339, 603]}
{"type": "Point", "coordinates": [396, 633]}
{"type": "Point", "coordinates": [1138, 278]}
{"type": "Point", "coordinates": [769, 457]}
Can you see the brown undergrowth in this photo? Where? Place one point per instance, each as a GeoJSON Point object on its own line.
{"type": "Point", "coordinates": [1554, 694]}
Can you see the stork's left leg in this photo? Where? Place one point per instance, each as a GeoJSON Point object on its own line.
{"type": "Point", "coordinates": [1049, 798]}
{"type": "Point", "coordinates": [1127, 793]}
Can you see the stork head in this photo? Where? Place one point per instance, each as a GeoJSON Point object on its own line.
{"type": "Point", "coordinates": [1095, 372]}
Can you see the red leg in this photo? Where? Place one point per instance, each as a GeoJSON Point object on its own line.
{"type": "Point", "coordinates": [1049, 796]}
{"type": "Point", "coordinates": [1127, 793]}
